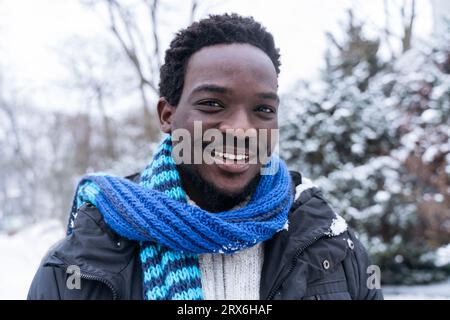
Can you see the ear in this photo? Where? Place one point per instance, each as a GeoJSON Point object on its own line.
{"type": "Point", "coordinates": [165, 114]}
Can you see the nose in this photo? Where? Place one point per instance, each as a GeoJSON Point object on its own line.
{"type": "Point", "coordinates": [238, 123]}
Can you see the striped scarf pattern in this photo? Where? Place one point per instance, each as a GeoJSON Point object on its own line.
{"type": "Point", "coordinates": [171, 232]}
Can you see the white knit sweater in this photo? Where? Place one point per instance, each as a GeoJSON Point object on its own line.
{"type": "Point", "coordinates": [232, 276]}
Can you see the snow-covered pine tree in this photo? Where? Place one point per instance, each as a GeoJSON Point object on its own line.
{"type": "Point", "coordinates": [355, 133]}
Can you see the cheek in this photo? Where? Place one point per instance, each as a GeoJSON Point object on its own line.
{"type": "Point", "coordinates": [187, 119]}
{"type": "Point", "coordinates": [268, 137]}
{"type": "Point", "coordinates": [177, 121]}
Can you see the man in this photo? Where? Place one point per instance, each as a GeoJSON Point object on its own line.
{"type": "Point", "coordinates": [217, 229]}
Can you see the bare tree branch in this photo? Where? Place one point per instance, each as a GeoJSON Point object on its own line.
{"type": "Point", "coordinates": [18, 149]}
{"type": "Point", "coordinates": [194, 7]}
{"type": "Point", "coordinates": [408, 23]}
{"type": "Point", "coordinates": [153, 15]}
{"type": "Point", "coordinates": [387, 27]}
{"type": "Point", "coordinates": [130, 49]}
{"type": "Point", "coordinates": [138, 35]}
{"type": "Point", "coordinates": [332, 38]}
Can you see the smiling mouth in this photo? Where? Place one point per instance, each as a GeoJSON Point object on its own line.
{"type": "Point", "coordinates": [232, 163]}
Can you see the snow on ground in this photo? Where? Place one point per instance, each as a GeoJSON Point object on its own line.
{"type": "Point", "coordinates": [438, 291]}
{"type": "Point", "coordinates": [21, 254]}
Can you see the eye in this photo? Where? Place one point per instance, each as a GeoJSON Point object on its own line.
{"type": "Point", "coordinates": [210, 103]}
{"type": "Point", "coordinates": [265, 109]}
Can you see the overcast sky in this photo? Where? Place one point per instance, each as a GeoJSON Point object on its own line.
{"type": "Point", "coordinates": [32, 31]}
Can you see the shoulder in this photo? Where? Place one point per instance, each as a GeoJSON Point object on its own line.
{"type": "Point", "coordinates": [332, 252]}
{"type": "Point", "coordinates": [95, 250]}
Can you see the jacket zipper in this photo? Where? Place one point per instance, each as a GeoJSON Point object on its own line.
{"type": "Point", "coordinates": [92, 277]}
{"type": "Point", "coordinates": [273, 292]}
{"type": "Point", "coordinates": [102, 280]}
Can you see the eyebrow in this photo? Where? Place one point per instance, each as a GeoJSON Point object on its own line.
{"type": "Point", "coordinates": [211, 88]}
{"type": "Point", "coordinates": [218, 89]}
{"type": "Point", "coordinates": [268, 96]}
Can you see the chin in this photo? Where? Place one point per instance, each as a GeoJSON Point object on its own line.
{"type": "Point", "coordinates": [230, 190]}
{"type": "Point", "coordinates": [230, 185]}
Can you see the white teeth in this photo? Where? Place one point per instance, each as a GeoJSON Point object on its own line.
{"type": "Point", "coordinates": [230, 156]}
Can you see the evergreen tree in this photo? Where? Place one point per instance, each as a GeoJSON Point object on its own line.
{"type": "Point", "coordinates": [374, 136]}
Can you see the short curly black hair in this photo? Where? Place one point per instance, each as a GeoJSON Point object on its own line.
{"type": "Point", "coordinates": [216, 29]}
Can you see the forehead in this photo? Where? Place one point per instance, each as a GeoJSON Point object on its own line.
{"type": "Point", "coordinates": [231, 65]}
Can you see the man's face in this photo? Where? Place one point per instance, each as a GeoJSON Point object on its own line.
{"type": "Point", "coordinates": [227, 86]}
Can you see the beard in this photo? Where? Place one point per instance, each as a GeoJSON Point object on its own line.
{"type": "Point", "coordinates": [214, 199]}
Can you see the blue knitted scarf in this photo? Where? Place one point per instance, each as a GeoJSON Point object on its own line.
{"type": "Point", "coordinates": [172, 232]}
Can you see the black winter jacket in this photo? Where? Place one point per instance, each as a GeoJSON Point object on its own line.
{"type": "Point", "coordinates": [303, 262]}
